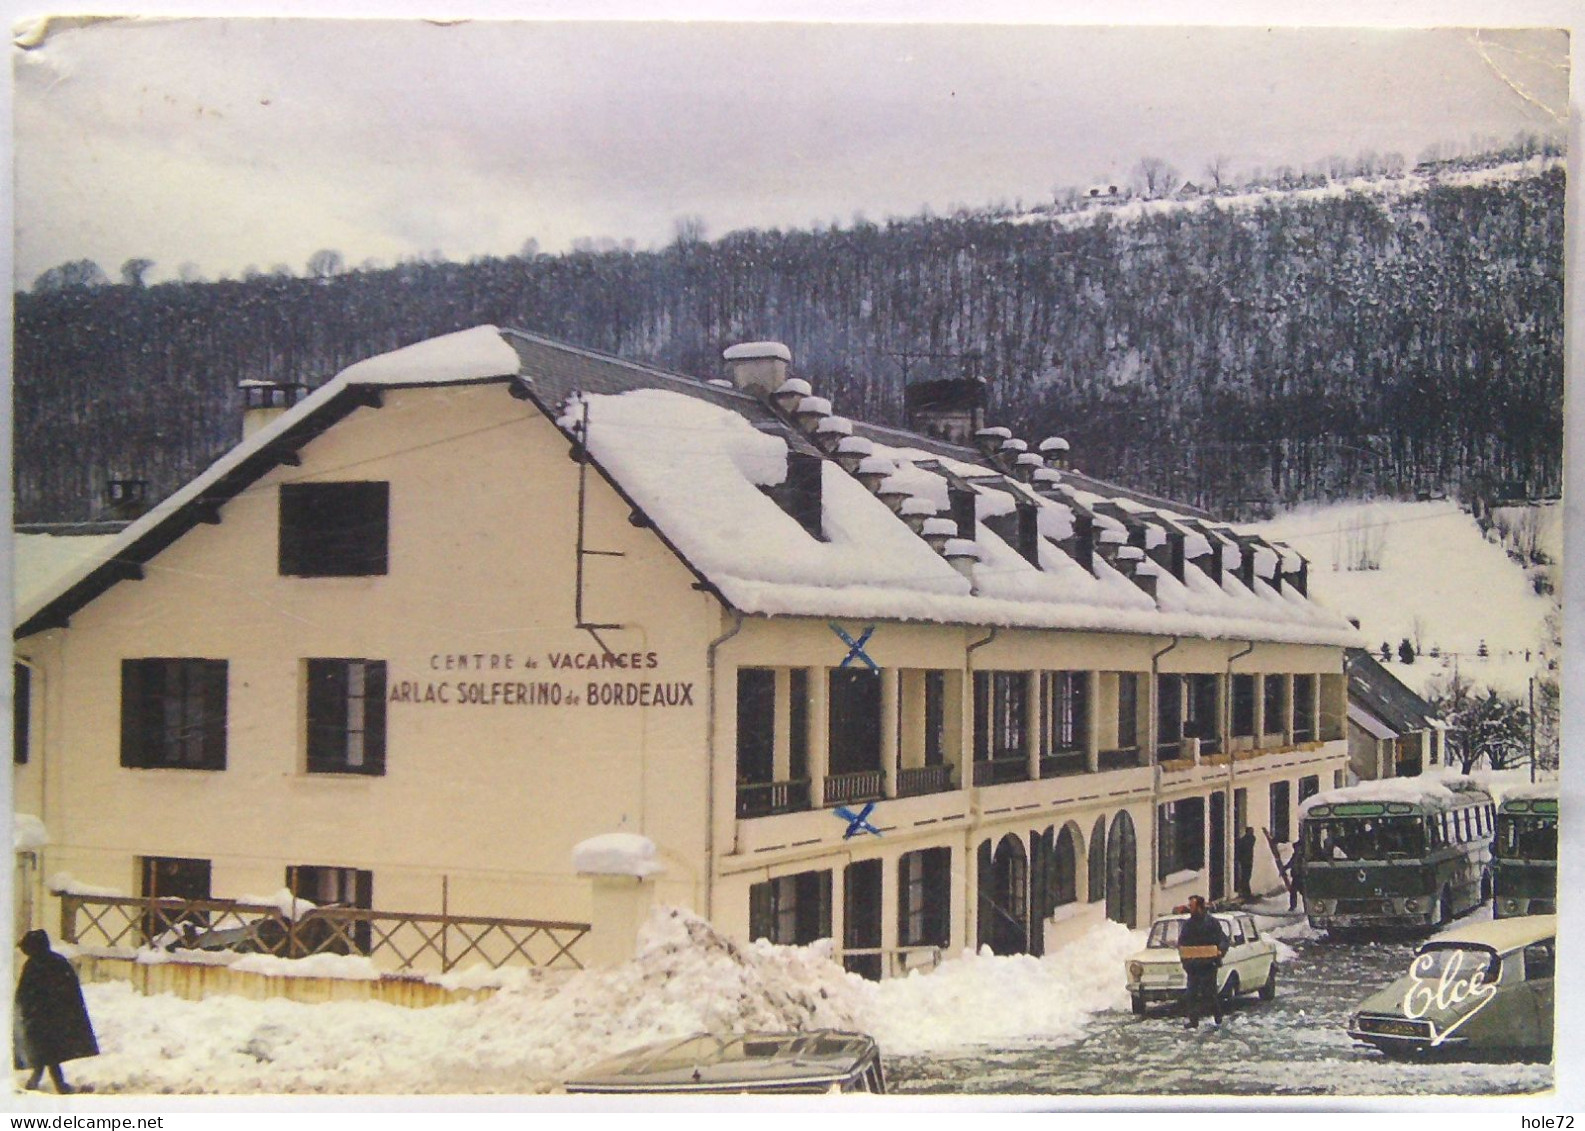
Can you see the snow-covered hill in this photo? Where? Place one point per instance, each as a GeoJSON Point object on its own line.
{"type": "Point", "coordinates": [1437, 582]}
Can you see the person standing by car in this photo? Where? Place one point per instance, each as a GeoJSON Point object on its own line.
{"type": "Point", "coordinates": [1201, 945]}
{"type": "Point", "coordinates": [51, 1023]}
{"type": "Point", "coordinates": [1296, 875]}
{"type": "Point", "coordinates": [1244, 862]}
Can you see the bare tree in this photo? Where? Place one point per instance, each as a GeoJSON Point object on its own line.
{"type": "Point", "coordinates": [1216, 170]}
{"type": "Point", "coordinates": [689, 231]}
{"type": "Point", "coordinates": [1156, 177]}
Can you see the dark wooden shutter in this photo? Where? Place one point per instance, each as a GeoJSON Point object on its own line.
{"type": "Point", "coordinates": [762, 911]}
{"type": "Point", "coordinates": [938, 896]}
{"type": "Point", "coordinates": [374, 718]}
{"type": "Point", "coordinates": [292, 526]}
{"type": "Point", "coordinates": [756, 724]}
{"type": "Point", "coordinates": [22, 704]}
{"type": "Point", "coordinates": [798, 725]}
{"type": "Point", "coordinates": [134, 713]}
{"type": "Point", "coordinates": [211, 677]}
{"type": "Point", "coordinates": [327, 715]}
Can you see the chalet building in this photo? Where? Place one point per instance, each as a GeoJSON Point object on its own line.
{"type": "Point", "coordinates": [435, 623]}
{"type": "Point", "coordinates": [1392, 732]}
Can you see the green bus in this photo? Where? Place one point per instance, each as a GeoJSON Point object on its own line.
{"type": "Point", "coordinates": [1524, 854]}
{"type": "Point", "coordinates": [1396, 853]}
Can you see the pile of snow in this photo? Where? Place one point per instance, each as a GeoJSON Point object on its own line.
{"type": "Point", "coordinates": [28, 833]}
{"type": "Point", "coordinates": [542, 1026]}
{"type": "Point", "coordinates": [616, 854]}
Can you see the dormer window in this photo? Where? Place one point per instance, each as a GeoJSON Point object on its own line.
{"type": "Point", "coordinates": [334, 529]}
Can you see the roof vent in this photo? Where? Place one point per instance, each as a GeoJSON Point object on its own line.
{"type": "Point", "coordinates": [126, 499]}
{"type": "Point", "coordinates": [810, 412]}
{"type": "Point", "coordinates": [938, 532]}
{"type": "Point", "coordinates": [989, 440]}
{"type": "Point", "coordinates": [792, 391]}
{"type": "Point", "coordinates": [759, 368]}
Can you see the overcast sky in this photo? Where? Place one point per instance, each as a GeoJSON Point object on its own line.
{"type": "Point", "coordinates": [225, 143]}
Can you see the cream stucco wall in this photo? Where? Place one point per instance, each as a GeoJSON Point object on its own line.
{"type": "Point", "coordinates": [480, 592]}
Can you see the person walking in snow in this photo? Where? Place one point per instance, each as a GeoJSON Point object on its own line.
{"type": "Point", "coordinates": [1244, 862]}
{"type": "Point", "coordinates": [1201, 945]}
{"type": "Point", "coordinates": [1296, 875]}
{"type": "Point", "coordinates": [51, 1019]}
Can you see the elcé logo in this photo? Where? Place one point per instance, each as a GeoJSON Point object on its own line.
{"type": "Point", "coordinates": [1449, 988]}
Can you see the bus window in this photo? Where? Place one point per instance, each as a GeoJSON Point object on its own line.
{"type": "Point", "coordinates": [1538, 961]}
{"type": "Point", "coordinates": [1537, 838]}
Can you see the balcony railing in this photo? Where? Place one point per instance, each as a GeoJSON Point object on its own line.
{"type": "Point", "coordinates": [998, 771]}
{"type": "Point", "coordinates": [1125, 758]}
{"type": "Point", "coordinates": [1210, 744]}
{"type": "Point", "coordinates": [1063, 763]}
{"type": "Point", "coordinates": [763, 799]}
{"type": "Point", "coordinates": [915, 781]}
{"type": "Point", "coordinates": [864, 785]}
{"type": "Point", "coordinates": [1169, 751]}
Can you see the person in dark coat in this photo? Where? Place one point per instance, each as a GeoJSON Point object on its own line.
{"type": "Point", "coordinates": [1296, 875]}
{"type": "Point", "coordinates": [1201, 945]}
{"type": "Point", "coordinates": [1244, 862]}
{"type": "Point", "coordinates": [52, 1023]}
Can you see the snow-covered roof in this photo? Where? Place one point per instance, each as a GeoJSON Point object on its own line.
{"type": "Point", "coordinates": [1433, 790]}
{"type": "Point", "coordinates": [711, 499]}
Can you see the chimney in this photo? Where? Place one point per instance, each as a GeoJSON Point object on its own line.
{"type": "Point", "coordinates": [831, 431]}
{"type": "Point", "coordinates": [800, 493]}
{"type": "Point", "coordinates": [989, 440]}
{"type": "Point", "coordinates": [853, 451]}
{"type": "Point", "coordinates": [1055, 449]}
{"type": "Point", "coordinates": [1082, 548]}
{"type": "Point", "coordinates": [961, 502]}
{"type": "Point", "coordinates": [126, 499]}
{"type": "Point", "coordinates": [952, 410]}
{"type": "Point", "coordinates": [1170, 554]}
{"type": "Point", "coordinates": [792, 391]}
{"type": "Point", "coordinates": [961, 554]}
{"type": "Point", "coordinates": [915, 510]}
{"type": "Point", "coordinates": [938, 532]}
{"type": "Point", "coordinates": [1246, 563]}
{"type": "Point", "coordinates": [875, 470]}
{"type": "Point", "coordinates": [759, 368]}
{"type": "Point", "coordinates": [809, 412]}
{"type": "Point", "coordinates": [1026, 465]}
{"type": "Point", "coordinates": [263, 401]}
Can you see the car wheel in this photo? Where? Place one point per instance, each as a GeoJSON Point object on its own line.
{"type": "Point", "coordinates": [1269, 990]}
{"type": "Point", "coordinates": [1230, 991]}
{"type": "Point", "coordinates": [1139, 1005]}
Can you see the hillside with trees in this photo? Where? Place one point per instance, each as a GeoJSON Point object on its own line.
{"type": "Point", "coordinates": [1232, 348]}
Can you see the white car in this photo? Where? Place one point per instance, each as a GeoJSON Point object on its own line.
{"type": "Point", "coordinates": [1155, 974]}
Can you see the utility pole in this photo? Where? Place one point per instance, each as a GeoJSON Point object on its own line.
{"type": "Point", "coordinates": [1532, 730]}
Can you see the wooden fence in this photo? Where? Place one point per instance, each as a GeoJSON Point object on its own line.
{"type": "Point", "coordinates": [413, 940]}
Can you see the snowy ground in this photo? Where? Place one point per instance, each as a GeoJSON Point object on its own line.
{"type": "Point", "coordinates": [1438, 582]}
{"type": "Point", "coordinates": [539, 1029]}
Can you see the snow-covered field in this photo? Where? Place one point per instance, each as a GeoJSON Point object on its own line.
{"type": "Point", "coordinates": [1437, 583]}
{"type": "Point", "coordinates": [539, 1027]}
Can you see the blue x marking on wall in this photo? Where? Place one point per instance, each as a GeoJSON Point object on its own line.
{"type": "Point", "coordinates": [857, 822]}
{"type": "Point", "coordinates": [856, 647]}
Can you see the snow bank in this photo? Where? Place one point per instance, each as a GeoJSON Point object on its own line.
{"type": "Point", "coordinates": [616, 854]}
{"type": "Point", "coordinates": [543, 1026]}
{"type": "Point", "coordinates": [982, 999]}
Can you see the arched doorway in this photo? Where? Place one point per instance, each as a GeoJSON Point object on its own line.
{"type": "Point", "coordinates": [1122, 853]}
{"type": "Point", "coordinates": [1004, 896]}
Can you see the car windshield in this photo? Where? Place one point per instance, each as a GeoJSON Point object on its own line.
{"type": "Point", "coordinates": [1164, 933]}
{"type": "Point", "coordinates": [1364, 838]}
{"type": "Point", "coordinates": [1527, 838]}
{"type": "Point", "coordinates": [1450, 963]}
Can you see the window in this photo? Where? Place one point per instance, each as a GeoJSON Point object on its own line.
{"type": "Point", "coordinates": [329, 886]}
{"type": "Point", "coordinates": [791, 910]}
{"type": "Point", "coordinates": [346, 716]}
{"type": "Point", "coordinates": [1244, 705]}
{"type": "Point", "coordinates": [756, 725]}
{"type": "Point", "coordinates": [1304, 708]}
{"type": "Point", "coordinates": [1275, 707]}
{"type": "Point", "coordinates": [1064, 707]}
{"type": "Point", "coordinates": [1097, 877]}
{"type": "Point", "coordinates": [1309, 786]}
{"type": "Point", "coordinates": [334, 529]}
{"type": "Point", "coordinates": [1200, 713]}
{"type": "Point", "coordinates": [1127, 708]}
{"type": "Point", "coordinates": [999, 715]}
{"type": "Point", "coordinates": [935, 718]}
{"type": "Point", "coordinates": [1182, 832]}
{"type": "Point", "coordinates": [861, 919]}
{"type": "Point", "coordinates": [924, 903]}
{"type": "Point", "coordinates": [1281, 828]}
{"type": "Point", "coordinates": [173, 714]}
{"type": "Point", "coordinates": [21, 710]}
{"type": "Point", "coordinates": [1066, 879]}
{"type": "Point", "coordinates": [1540, 961]}
{"type": "Point", "coordinates": [855, 721]}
